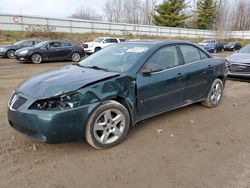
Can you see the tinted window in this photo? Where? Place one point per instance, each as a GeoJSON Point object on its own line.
{"type": "Point", "coordinates": [27, 43]}
{"type": "Point", "coordinates": [113, 40]}
{"type": "Point", "coordinates": [107, 41]}
{"type": "Point", "coordinates": [122, 40]}
{"type": "Point", "coordinates": [166, 57]}
{"type": "Point", "coordinates": [36, 42]}
{"type": "Point", "coordinates": [54, 44]}
{"type": "Point", "coordinates": [190, 53]}
{"type": "Point", "coordinates": [66, 44]}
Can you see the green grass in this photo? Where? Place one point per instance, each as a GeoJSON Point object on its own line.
{"type": "Point", "coordinates": [7, 37]}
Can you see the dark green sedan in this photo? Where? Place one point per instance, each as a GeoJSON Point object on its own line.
{"type": "Point", "coordinates": [100, 98]}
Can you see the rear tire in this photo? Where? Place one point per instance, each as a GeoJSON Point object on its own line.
{"type": "Point", "coordinates": [108, 125]}
{"type": "Point", "coordinates": [97, 49]}
{"type": "Point", "coordinates": [36, 58]}
{"type": "Point", "coordinates": [11, 54]}
{"type": "Point", "coordinates": [75, 57]}
{"type": "Point", "coordinates": [215, 94]}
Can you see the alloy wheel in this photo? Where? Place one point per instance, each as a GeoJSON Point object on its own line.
{"type": "Point", "coordinates": [36, 58]}
{"type": "Point", "coordinates": [216, 93]}
{"type": "Point", "coordinates": [11, 54]}
{"type": "Point", "coordinates": [76, 57]}
{"type": "Point", "coordinates": [109, 126]}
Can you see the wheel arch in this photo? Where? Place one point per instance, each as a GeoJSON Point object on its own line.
{"type": "Point", "coordinates": [127, 105]}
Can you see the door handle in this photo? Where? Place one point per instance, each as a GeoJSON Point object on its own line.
{"type": "Point", "coordinates": [179, 75]}
{"type": "Point", "coordinates": [209, 67]}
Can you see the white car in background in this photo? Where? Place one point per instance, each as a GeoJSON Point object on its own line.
{"type": "Point", "coordinates": [99, 43]}
{"type": "Point", "coordinates": [205, 42]}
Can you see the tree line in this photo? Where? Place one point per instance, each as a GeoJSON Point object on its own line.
{"type": "Point", "coordinates": [196, 14]}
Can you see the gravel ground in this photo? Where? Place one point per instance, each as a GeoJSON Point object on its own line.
{"type": "Point", "coordinates": [197, 147]}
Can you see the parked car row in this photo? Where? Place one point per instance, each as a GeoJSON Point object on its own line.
{"type": "Point", "coordinates": [214, 46]}
{"type": "Point", "coordinates": [36, 51]}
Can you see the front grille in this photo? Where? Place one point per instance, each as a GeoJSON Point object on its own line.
{"type": "Point", "coordinates": [17, 101]}
{"type": "Point", "coordinates": [85, 46]}
{"type": "Point", "coordinates": [239, 68]}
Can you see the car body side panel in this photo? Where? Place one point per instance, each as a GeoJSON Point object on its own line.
{"type": "Point", "coordinates": [199, 77]}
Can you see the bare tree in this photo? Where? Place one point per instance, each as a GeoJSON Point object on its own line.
{"type": "Point", "coordinates": [241, 16]}
{"type": "Point", "coordinates": [113, 10]}
{"type": "Point", "coordinates": [147, 7]}
{"type": "Point", "coordinates": [86, 14]}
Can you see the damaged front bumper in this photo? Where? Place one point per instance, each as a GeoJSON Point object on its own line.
{"type": "Point", "coordinates": [48, 126]}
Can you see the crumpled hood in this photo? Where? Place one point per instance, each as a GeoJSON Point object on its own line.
{"type": "Point", "coordinates": [65, 79]}
{"type": "Point", "coordinates": [239, 58]}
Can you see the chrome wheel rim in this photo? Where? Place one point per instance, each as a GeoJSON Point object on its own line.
{"type": "Point", "coordinates": [109, 126]}
{"type": "Point", "coordinates": [76, 57]}
{"type": "Point", "coordinates": [216, 93]}
{"type": "Point", "coordinates": [36, 58]}
{"type": "Point", "coordinates": [11, 54]}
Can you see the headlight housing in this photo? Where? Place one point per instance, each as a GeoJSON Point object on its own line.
{"type": "Point", "coordinates": [24, 52]}
{"type": "Point", "coordinates": [60, 103]}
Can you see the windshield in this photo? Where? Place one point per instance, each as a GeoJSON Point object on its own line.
{"type": "Point", "coordinates": [98, 40]}
{"type": "Point", "coordinates": [40, 44]}
{"type": "Point", "coordinates": [246, 49]}
{"type": "Point", "coordinates": [117, 58]}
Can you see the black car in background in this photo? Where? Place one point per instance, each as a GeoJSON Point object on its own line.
{"type": "Point", "coordinates": [214, 47]}
{"type": "Point", "coordinates": [232, 46]}
{"type": "Point", "coordinates": [238, 64]}
{"type": "Point", "coordinates": [9, 50]}
{"type": "Point", "coordinates": [53, 50]}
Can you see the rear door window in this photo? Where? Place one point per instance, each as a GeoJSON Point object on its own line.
{"type": "Point", "coordinates": [190, 53]}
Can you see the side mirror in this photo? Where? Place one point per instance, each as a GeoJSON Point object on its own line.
{"type": "Point", "coordinates": [151, 68]}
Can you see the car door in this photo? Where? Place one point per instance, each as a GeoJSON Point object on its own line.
{"type": "Point", "coordinates": [65, 50]}
{"type": "Point", "coordinates": [199, 72]}
{"type": "Point", "coordinates": [160, 90]}
{"type": "Point", "coordinates": [51, 51]}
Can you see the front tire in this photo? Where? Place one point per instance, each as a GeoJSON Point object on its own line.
{"type": "Point", "coordinates": [108, 125]}
{"type": "Point", "coordinates": [36, 58]}
{"type": "Point", "coordinates": [11, 54]}
{"type": "Point", "coordinates": [215, 94]}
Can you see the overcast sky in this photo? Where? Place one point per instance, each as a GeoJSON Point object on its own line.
{"type": "Point", "coordinates": [56, 8]}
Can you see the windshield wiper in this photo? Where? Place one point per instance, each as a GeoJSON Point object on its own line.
{"type": "Point", "coordinates": [98, 68]}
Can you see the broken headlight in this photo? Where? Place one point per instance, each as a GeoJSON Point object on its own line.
{"type": "Point", "coordinates": [62, 102]}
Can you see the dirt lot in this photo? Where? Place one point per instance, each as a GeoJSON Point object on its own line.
{"type": "Point", "coordinates": [199, 147]}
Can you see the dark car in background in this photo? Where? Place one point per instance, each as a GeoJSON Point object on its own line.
{"type": "Point", "coordinates": [113, 89]}
{"type": "Point", "coordinates": [232, 46]}
{"type": "Point", "coordinates": [9, 50]}
{"type": "Point", "coordinates": [214, 47]}
{"type": "Point", "coordinates": [53, 50]}
{"type": "Point", "coordinates": [238, 64]}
